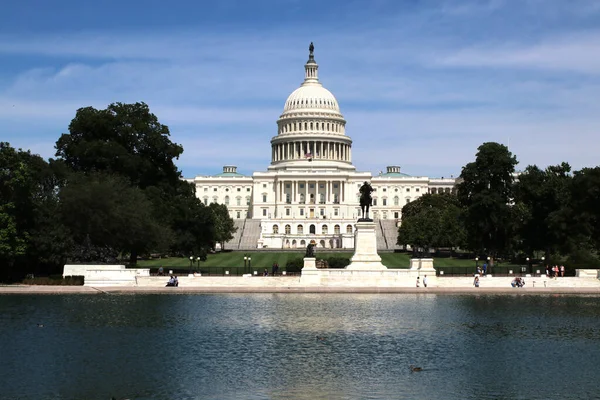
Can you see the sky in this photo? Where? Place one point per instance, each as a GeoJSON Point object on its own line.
{"type": "Point", "coordinates": [421, 83]}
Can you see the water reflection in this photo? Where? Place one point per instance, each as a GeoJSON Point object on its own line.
{"type": "Point", "coordinates": [317, 346]}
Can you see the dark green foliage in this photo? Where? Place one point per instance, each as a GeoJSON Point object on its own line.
{"type": "Point", "coordinates": [75, 280]}
{"type": "Point", "coordinates": [337, 262]}
{"type": "Point", "coordinates": [486, 193]}
{"type": "Point", "coordinates": [432, 221]}
{"type": "Point", "coordinates": [223, 224]}
{"type": "Point", "coordinates": [294, 265]}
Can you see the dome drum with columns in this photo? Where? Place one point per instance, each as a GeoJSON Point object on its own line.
{"type": "Point", "coordinates": [309, 193]}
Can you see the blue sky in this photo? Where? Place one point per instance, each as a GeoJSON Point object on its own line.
{"type": "Point", "coordinates": [421, 83]}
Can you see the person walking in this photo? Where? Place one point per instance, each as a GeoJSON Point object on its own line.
{"type": "Point", "coordinates": [476, 281]}
{"type": "Point", "coordinates": [418, 281]}
{"type": "Point", "coordinates": [425, 281]}
{"type": "Point", "coordinates": [562, 271]}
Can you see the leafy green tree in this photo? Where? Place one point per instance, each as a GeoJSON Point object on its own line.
{"type": "Point", "coordinates": [108, 216]}
{"type": "Point", "coordinates": [585, 192]}
{"type": "Point", "coordinates": [123, 139]}
{"type": "Point", "coordinates": [486, 193]}
{"type": "Point", "coordinates": [224, 225]}
{"type": "Point", "coordinates": [432, 221]}
{"type": "Point", "coordinates": [544, 199]}
{"type": "Point", "coordinates": [127, 140]}
{"type": "Point", "coordinates": [28, 194]}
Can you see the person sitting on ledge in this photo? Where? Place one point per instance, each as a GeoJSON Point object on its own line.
{"type": "Point", "coordinates": [173, 281]}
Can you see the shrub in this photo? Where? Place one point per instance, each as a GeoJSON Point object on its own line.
{"type": "Point", "coordinates": [56, 280]}
{"type": "Point", "coordinates": [338, 262]}
{"type": "Point", "coordinates": [294, 265]}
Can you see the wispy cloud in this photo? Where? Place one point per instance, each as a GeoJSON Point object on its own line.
{"type": "Point", "coordinates": [420, 86]}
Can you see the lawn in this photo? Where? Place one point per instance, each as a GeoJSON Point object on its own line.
{"type": "Point", "coordinates": [265, 259]}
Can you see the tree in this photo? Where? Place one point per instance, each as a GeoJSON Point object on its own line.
{"type": "Point", "coordinates": [28, 193]}
{"type": "Point", "coordinates": [107, 216]}
{"type": "Point", "coordinates": [432, 221]}
{"type": "Point", "coordinates": [127, 140]}
{"type": "Point", "coordinates": [486, 192]}
{"type": "Point", "coordinates": [224, 225]}
{"type": "Point", "coordinates": [123, 139]}
{"type": "Point", "coordinates": [585, 192]}
{"type": "Point", "coordinates": [543, 198]}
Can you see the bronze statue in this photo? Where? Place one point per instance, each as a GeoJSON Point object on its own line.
{"type": "Point", "coordinates": [365, 201]}
{"type": "Point", "coordinates": [310, 251]}
{"type": "Point", "coordinates": [311, 48]}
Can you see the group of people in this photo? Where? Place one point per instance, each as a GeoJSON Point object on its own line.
{"type": "Point", "coordinates": [173, 281]}
{"type": "Point", "coordinates": [518, 282]}
{"type": "Point", "coordinates": [482, 270]}
{"type": "Point", "coordinates": [555, 271]}
{"type": "Point", "coordinates": [424, 281]}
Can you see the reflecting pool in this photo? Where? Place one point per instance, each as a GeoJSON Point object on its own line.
{"type": "Point", "coordinates": [299, 346]}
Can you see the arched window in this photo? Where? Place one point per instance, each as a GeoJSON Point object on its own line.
{"type": "Point", "coordinates": [384, 201]}
{"type": "Point", "coordinates": [311, 126]}
{"type": "Point", "coordinates": [215, 200]}
{"type": "Point", "coordinates": [348, 228]}
{"type": "Point", "coordinates": [247, 200]}
{"type": "Point", "coordinates": [288, 229]}
{"type": "Point", "coordinates": [324, 230]}
{"type": "Point", "coordinates": [238, 201]}
{"type": "Point", "coordinates": [275, 229]}
{"type": "Point", "coordinates": [336, 229]}
{"type": "Point", "coordinates": [226, 200]}
{"type": "Point", "coordinates": [312, 229]}
{"type": "Point", "coordinates": [322, 198]}
{"type": "Point", "coordinates": [300, 229]}
{"type": "Point", "coordinates": [396, 201]}
{"type": "Point", "coordinates": [302, 243]}
{"type": "Point", "coordinates": [206, 201]}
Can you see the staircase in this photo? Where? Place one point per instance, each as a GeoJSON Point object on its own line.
{"type": "Point", "coordinates": [381, 242]}
{"type": "Point", "coordinates": [390, 233]}
{"type": "Point", "coordinates": [234, 244]}
{"type": "Point", "coordinates": [250, 234]}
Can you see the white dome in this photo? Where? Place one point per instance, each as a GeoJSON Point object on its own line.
{"type": "Point", "coordinates": [311, 97]}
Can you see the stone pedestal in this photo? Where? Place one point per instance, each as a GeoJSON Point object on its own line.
{"type": "Point", "coordinates": [310, 263]}
{"type": "Point", "coordinates": [423, 266]}
{"type": "Point", "coordinates": [365, 248]}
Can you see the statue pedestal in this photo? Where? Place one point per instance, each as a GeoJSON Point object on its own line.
{"type": "Point", "coordinates": [365, 248]}
{"type": "Point", "coordinates": [310, 263]}
{"type": "Point", "coordinates": [423, 266]}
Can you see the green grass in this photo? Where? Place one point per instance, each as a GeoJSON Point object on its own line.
{"type": "Point", "coordinates": [265, 259]}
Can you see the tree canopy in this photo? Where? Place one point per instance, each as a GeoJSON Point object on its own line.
{"type": "Point", "coordinates": [486, 192]}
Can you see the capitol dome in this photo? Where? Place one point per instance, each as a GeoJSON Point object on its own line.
{"type": "Point", "coordinates": [311, 128]}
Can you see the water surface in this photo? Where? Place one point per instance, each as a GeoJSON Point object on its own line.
{"type": "Point", "coordinates": [303, 346]}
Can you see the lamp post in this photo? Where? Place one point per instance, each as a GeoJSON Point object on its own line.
{"type": "Point", "coordinates": [489, 267]}
{"type": "Point", "coordinates": [245, 264]}
{"type": "Point", "coordinates": [198, 263]}
{"type": "Point", "coordinates": [191, 263]}
{"type": "Point", "coordinates": [250, 264]}
{"type": "Point", "coordinates": [476, 264]}
{"type": "Point", "coordinates": [529, 265]}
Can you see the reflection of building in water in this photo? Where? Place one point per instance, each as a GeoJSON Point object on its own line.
{"type": "Point", "coordinates": [309, 193]}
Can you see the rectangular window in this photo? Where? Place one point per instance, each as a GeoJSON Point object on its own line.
{"type": "Point", "coordinates": [302, 211]}
{"type": "Point", "coordinates": [302, 186]}
{"type": "Point", "coordinates": [287, 185]}
{"type": "Point", "coordinates": [264, 198]}
{"type": "Point", "coordinates": [374, 202]}
{"type": "Point", "coordinates": [384, 189]}
{"type": "Point", "coordinates": [287, 211]}
{"type": "Point", "coordinates": [408, 189]}
{"type": "Point", "coordinates": [215, 189]}
{"type": "Point", "coordinates": [321, 186]}
{"type": "Point", "coordinates": [247, 189]}
{"type": "Point", "coordinates": [264, 212]}
{"type": "Point", "coordinates": [417, 189]}
{"type": "Point", "coordinates": [238, 215]}
{"type": "Point", "coordinates": [264, 185]}
{"type": "Point", "coordinates": [239, 189]}
{"type": "Point", "coordinates": [206, 189]}
{"type": "Point", "coordinates": [336, 212]}
{"type": "Point", "coordinates": [395, 214]}
{"type": "Point", "coordinates": [311, 186]}
{"type": "Point", "coordinates": [322, 211]}
{"type": "Point", "coordinates": [335, 185]}
{"type": "Point", "coordinates": [385, 202]}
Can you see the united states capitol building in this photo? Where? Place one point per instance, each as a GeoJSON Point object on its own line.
{"type": "Point", "coordinates": [310, 191]}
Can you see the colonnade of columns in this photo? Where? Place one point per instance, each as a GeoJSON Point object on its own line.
{"type": "Point", "coordinates": [314, 149]}
{"type": "Point", "coordinates": [331, 193]}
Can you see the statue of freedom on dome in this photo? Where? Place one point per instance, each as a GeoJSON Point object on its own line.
{"type": "Point", "coordinates": [365, 201]}
{"type": "Point", "coordinates": [311, 48]}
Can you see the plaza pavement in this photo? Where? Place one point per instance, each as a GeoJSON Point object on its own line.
{"type": "Point", "coordinates": [445, 285]}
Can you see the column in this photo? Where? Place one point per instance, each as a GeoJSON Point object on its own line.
{"type": "Point", "coordinates": [321, 155]}
{"type": "Point", "coordinates": [294, 190]}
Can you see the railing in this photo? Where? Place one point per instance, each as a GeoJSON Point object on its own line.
{"type": "Point", "coordinates": [496, 270]}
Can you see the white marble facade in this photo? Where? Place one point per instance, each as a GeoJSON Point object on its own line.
{"type": "Point", "coordinates": [310, 190]}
